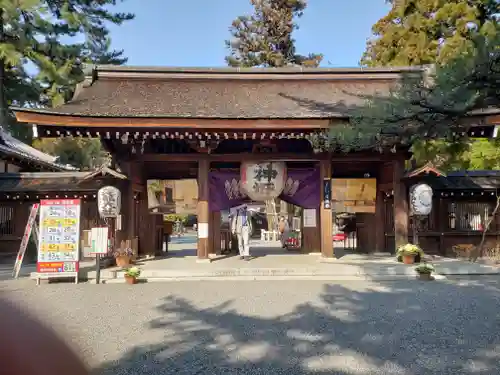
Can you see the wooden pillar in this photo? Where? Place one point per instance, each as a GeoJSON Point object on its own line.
{"type": "Point", "coordinates": [442, 221]}
{"type": "Point", "coordinates": [326, 213]}
{"type": "Point", "coordinates": [380, 221]}
{"type": "Point", "coordinates": [401, 211]}
{"type": "Point", "coordinates": [130, 222]}
{"type": "Point", "coordinates": [311, 236]}
{"type": "Point", "coordinates": [203, 212]}
{"type": "Point", "coordinates": [215, 241]}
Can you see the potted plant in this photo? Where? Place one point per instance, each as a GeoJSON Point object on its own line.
{"type": "Point", "coordinates": [123, 257]}
{"type": "Point", "coordinates": [131, 275]}
{"type": "Point", "coordinates": [425, 271]}
{"type": "Point", "coordinates": [409, 253]}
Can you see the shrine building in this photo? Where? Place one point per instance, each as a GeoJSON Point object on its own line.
{"type": "Point", "coordinates": [203, 123]}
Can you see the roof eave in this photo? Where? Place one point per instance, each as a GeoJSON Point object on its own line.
{"type": "Point", "coordinates": [45, 164]}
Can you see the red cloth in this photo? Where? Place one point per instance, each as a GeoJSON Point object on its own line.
{"type": "Point", "coordinates": [339, 237]}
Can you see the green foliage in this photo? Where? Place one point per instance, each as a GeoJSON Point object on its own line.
{"type": "Point", "coordinates": [425, 268]}
{"type": "Point", "coordinates": [83, 153]}
{"type": "Point", "coordinates": [133, 272]}
{"type": "Point", "coordinates": [410, 249]}
{"type": "Point", "coordinates": [461, 37]}
{"type": "Point", "coordinates": [427, 106]}
{"type": "Point", "coordinates": [56, 37]}
{"type": "Point", "coordinates": [265, 38]}
{"type": "Point", "coordinates": [174, 217]}
{"type": "Point", "coordinates": [474, 154]}
{"type": "Point", "coordinates": [421, 32]}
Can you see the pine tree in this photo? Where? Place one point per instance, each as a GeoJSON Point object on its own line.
{"type": "Point", "coordinates": [83, 153]}
{"type": "Point", "coordinates": [429, 106]}
{"type": "Point", "coordinates": [435, 32]}
{"type": "Point", "coordinates": [265, 38]}
{"type": "Point", "coordinates": [420, 32]}
{"type": "Point", "coordinates": [31, 31]}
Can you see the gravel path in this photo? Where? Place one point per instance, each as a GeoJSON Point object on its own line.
{"type": "Point", "coordinates": [275, 327]}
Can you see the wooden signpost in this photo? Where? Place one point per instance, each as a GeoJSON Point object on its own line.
{"type": "Point", "coordinates": [30, 226]}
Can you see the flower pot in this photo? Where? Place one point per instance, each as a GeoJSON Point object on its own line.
{"type": "Point", "coordinates": [425, 276]}
{"type": "Point", "coordinates": [130, 279]}
{"type": "Point", "coordinates": [123, 261]}
{"type": "Point", "coordinates": [408, 259]}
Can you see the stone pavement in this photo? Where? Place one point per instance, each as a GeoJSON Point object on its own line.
{"type": "Point", "coordinates": [279, 327]}
{"type": "Point", "coordinates": [270, 261]}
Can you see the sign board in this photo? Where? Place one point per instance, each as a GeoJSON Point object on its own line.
{"type": "Point", "coordinates": [309, 217]}
{"type": "Point", "coordinates": [327, 194]}
{"type": "Point", "coordinates": [25, 240]}
{"type": "Point", "coordinates": [58, 247]}
{"type": "Point", "coordinates": [354, 194]}
{"type": "Point", "coordinates": [99, 239]}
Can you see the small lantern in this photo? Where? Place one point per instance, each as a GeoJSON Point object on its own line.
{"type": "Point", "coordinates": [263, 181]}
{"type": "Point", "coordinates": [109, 201]}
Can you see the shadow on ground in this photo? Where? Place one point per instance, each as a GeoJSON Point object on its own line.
{"type": "Point", "coordinates": [407, 327]}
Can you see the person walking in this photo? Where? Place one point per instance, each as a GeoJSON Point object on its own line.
{"type": "Point", "coordinates": [284, 229]}
{"type": "Point", "coordinates": [240, 225]}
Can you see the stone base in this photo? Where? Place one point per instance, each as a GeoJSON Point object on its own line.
{"type": "Point", "coordinates": [328, 260]}
{"type": "Point", "coordinates": [208, 260]}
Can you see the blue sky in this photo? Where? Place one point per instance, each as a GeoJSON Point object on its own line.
{"type": "Point", "coordinates": [192, 32]}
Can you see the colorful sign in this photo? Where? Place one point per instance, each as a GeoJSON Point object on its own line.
{"type": "Point", "coordinates": [58, 250]}
{"type": "Point", "coordinates": [25, 240]}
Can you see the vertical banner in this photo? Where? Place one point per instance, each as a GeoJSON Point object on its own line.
{"type": "Point", "coordinates": [58, 247]}
{"type": "Point", "coordinates": [327, 193]}
{"type": "Point", "coordinates": [25, 240]}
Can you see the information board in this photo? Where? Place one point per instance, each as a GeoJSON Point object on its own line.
{"type": "Point", "coordinates": [58, 250]}
{"type": "Point", "coordinates": [99, 239]}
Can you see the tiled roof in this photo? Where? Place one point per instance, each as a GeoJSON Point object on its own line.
{"type": "Point", "coordinates": [462, 181]}
{"type": "Point", "coordinates": [54, 181]}
{"type": "Point", "coordinates": [227, 93]}
{"type": "Point", "coordinates": [14, 147]}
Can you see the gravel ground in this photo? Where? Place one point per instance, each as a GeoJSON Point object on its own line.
{"type": "Point", "coordinates": [275, 327]}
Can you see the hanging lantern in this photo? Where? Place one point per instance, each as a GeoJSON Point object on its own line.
{"type": "Point", "coordinates": [109, 201]}
{"type": "Point", "coordinates": [421, 199]}
{"type": "Point", "coordinates": [263, 181]}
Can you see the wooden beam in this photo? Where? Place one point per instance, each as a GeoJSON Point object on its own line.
{"type": "Point", "coordinates": [401, 209]}
{"type": "Point", "coordinates": [345, 158]}
{"type": "Point", "coordinates": [493, 120]}
{"type": "Point", "coordinates": [224, 157]}
{"type": "Point", "coordinates": [203, 211]}
{"type": "Point", "coordinates": [158, 122]}
{"type": "Point", "coordinates": [379, 227]}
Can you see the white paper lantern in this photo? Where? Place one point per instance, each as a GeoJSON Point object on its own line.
{"type": "Point", "coordinates": [421, 199]}
{"type": "Point", "coordinates": [109, 201]}
{"type": "Point", "coordinates": [264, 180]}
